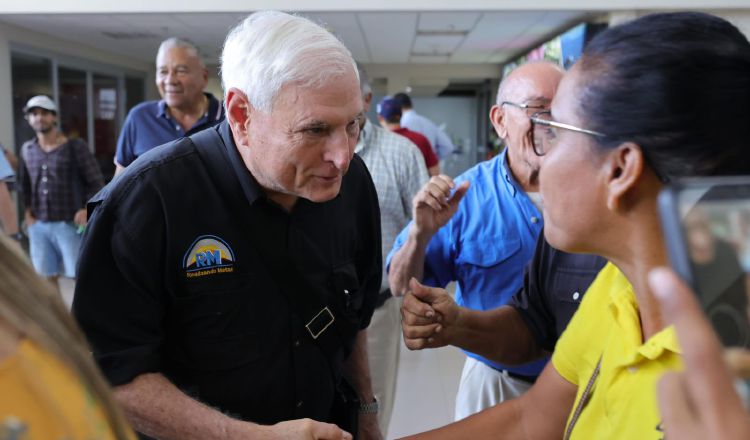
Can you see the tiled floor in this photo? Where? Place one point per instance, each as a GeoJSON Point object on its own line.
{"type": "Point", "coordinates": [425, 391]}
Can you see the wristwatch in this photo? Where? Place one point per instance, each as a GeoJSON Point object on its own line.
{"type": "Point", "coordinates": [369, 408]}
{"type": "Point", "coordinates": [17, 236]}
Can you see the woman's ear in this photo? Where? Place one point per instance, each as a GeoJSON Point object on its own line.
{"type": "Point", "coordinates": [238, 111]}
{"type": "Point", "coordinates": [625, 168]}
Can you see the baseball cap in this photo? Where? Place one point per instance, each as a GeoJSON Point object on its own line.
{"type": "Point", "coordinates": [40, 101]}
{"type": "Point", "coordinates": [388, 107]}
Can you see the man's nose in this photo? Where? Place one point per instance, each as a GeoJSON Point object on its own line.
{"type": "Point", "coordinates": [339, 150]}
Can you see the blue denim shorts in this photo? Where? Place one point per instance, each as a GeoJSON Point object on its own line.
{"type": "Point", "coordinates": [54, 248]}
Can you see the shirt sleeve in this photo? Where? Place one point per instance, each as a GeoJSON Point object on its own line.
{"type": "Point", "coordinates": [89, 169]}
{"type": "Point", "coordinates": [6, 171]}
{"type": "Point", "coordinates": [120, 298]}
{"type": "Point", "coordinates": [124, 155]}
{"type": "Point", "coordinates": [24, 181]}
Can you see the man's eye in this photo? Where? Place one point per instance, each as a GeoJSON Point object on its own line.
{"type": "Point", "coordinates": [316, 130]}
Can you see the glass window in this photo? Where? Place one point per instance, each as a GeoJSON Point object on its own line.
{"type": "Point", "coordinates": [73, 104]}
{"type": "Point", "coordinates": [31, 76]}
{"type": "Point", "coordinates": [105, 122]}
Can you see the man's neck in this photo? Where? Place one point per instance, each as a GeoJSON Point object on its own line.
{"type": "Point", "coordinates": [50, 140]}
{"type": "Point", "coordinates": [188, 115]}
{"type": "Point", "coordinates": [393, 126]}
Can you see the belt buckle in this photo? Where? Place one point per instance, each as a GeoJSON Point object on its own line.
{"type": "Point", "coordinates": [324, 313]}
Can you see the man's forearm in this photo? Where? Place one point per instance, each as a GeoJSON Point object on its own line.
{"type": "Point", "coordinates": [407, 262]}
{"type": "Point", "coordinates": [357, 368]}
{"type": "Point", "coordinates": [157, 408]}
{"type": "Point", "coordinates": [500, 335]}
{"type": "Point", "coordinates": [8, 218]}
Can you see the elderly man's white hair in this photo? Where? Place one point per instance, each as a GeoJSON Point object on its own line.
{"type": "Point", "coordinates": [270, 49]}
{"type": "Point", "coordinates": [174, 42]}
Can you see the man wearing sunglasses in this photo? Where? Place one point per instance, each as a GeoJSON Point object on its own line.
{"type": "Point", "coordinates": [484, 242]}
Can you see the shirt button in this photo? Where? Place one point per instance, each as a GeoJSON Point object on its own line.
{"type": "Point", "coordinates": [534, 220]}
{"type": "Point", "coordinates": [296, 343]}
{"type": "Point", "coordinates": [299, 404]}
{"type": "Point", "coordinates": [45, 192]}
{"type": "Point", "coordinates": [632, 369]}
{"type": "Point", "coordinates": [576, 295]}
{"type": "Point", "coordinates": [44, 179]}
{"type": "Point", "coordinates": [44, 166]}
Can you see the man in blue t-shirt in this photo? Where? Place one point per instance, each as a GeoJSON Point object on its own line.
{"type": "Point", "coordinates": [183, 110]}
{"type": "Point", "coordinates": [480, 230]}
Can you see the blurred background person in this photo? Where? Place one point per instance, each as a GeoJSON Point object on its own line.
{"type": "Point", "coordinates": [56, 176]}
{"type": "Point", "coordinates": [389, 116]}
{"type": "Point", "coordinates": [8, 215]}
{"type": "Point", "coordinates": [701, 401]}
{"type": "Point", "coordinates": [441, 143]}
{"type": "Point", "coordinates": [184, 109]}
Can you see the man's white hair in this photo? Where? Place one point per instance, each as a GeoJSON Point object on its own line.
{"type": "Point", "coordinates": [270, 49]}
{"type": "Point", "coordinates": [174, 42]}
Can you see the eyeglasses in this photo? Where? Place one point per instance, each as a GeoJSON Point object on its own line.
{"type": "Point", "coordinates": [527, 106]}
{"type": "Point", "coordinates": [544, 132]}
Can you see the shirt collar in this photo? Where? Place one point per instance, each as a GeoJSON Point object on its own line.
{"type": "Point", "coordinates": [250, 186]}
{"type": "Point", "coordinates": [624, 310]}
{"type": "Point", "coordinates": [510, 182]}
{"type": "Point", "coordinates": [365, 136]}
{"type": "Point", "coordinates": [213, 109]}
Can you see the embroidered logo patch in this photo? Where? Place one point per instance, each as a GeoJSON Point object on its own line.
{"type": "Point", "coordinates": [208, 255]}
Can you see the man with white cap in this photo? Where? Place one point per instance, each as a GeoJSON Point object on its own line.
{"type": "Point", "coordinates": [56, 177]}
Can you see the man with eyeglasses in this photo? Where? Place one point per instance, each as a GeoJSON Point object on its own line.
{"type": "Point", "coordinates": [480, 231]}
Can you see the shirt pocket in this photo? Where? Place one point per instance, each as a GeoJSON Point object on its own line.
{"type": "Point", "coordinates": [215, 325]}
{"type": "Point", "coordinates": [346, 291]}
{"type": "Point", "coordinates": [488, 252]}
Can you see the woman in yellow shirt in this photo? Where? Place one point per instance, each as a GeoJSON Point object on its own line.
{"type": "Point", "coordinates": [49, 386]}
{"type": "Point", "coordinates": [660, 97]}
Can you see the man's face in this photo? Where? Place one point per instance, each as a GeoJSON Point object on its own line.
{"type": "Point", "coordinates": [302, 148]}
{"type": "Point", "coordinates": [180, 78]}
{"type": "Point", "coordinates": [41, 120]}
{"type": "Point", "coordinates": [534, 86]}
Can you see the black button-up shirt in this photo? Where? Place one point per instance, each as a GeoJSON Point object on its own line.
{"type": "Point", "coordinates": [169, 280]}
{"type": "Point", "coordinates": [553, 287]}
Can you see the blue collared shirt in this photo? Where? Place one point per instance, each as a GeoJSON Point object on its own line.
{"type": "Point", "coordinates": [148, 125]}
{"type": "Point", "coordinates": [485, 245]}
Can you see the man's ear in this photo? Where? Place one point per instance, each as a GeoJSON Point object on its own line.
{"type": "Point", "coordinates": [497, 117]}
{"type": "Point", "coordinates": [624, 170]}
{"type": "Point", "coordinates": [238, 114]}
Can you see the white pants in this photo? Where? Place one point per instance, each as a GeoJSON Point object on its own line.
{"type": "Point", "coordinates": [383, 344]}
{"type": "Point", "coordinates": [482, 387]}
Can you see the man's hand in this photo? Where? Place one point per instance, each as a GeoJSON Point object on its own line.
{"type": "Point", "coordinates": [700, 402]}
{"type": "Point", "coordinates": [307, 429]}
{"type": "Point", "coordinates": [433, 205]}
{"type": "Point", "coordinates": [368, 427]}
{"type": "Point", "coordinates": [428, 316]}
{"type": "Point", "coordinates": [80, 218]}
{"type": "Point", "coordinates": [28, 218]}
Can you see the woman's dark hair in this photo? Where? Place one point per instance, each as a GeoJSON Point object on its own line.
{"type": "Point", "coordinates": [676, 84]}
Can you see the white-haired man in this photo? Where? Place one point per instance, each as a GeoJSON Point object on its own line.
{"type": "Point", "coordinates": [184, 107]}
{"type": "Point", "coordinates": [226, 279]}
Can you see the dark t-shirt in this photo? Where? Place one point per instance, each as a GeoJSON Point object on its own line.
{"type": "Point", "coordinates": [553, 287]}
{"type": "Point", "coordinates": [169, 280]}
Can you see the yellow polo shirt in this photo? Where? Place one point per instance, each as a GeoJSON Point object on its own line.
{"type": "Point", "coordinates": [622, 404]}
{"type": "Point", "coordinates": [42, 399]}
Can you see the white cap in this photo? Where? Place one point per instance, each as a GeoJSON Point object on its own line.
{"type": "Point", "coordinates": [40, 101]}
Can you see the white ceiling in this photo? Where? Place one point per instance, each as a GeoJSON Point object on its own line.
{"type": "Point", "coordinates": [372, 37]}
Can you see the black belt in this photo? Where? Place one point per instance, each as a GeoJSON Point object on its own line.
{"type": "Point", "coordinates": [383, 297]}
